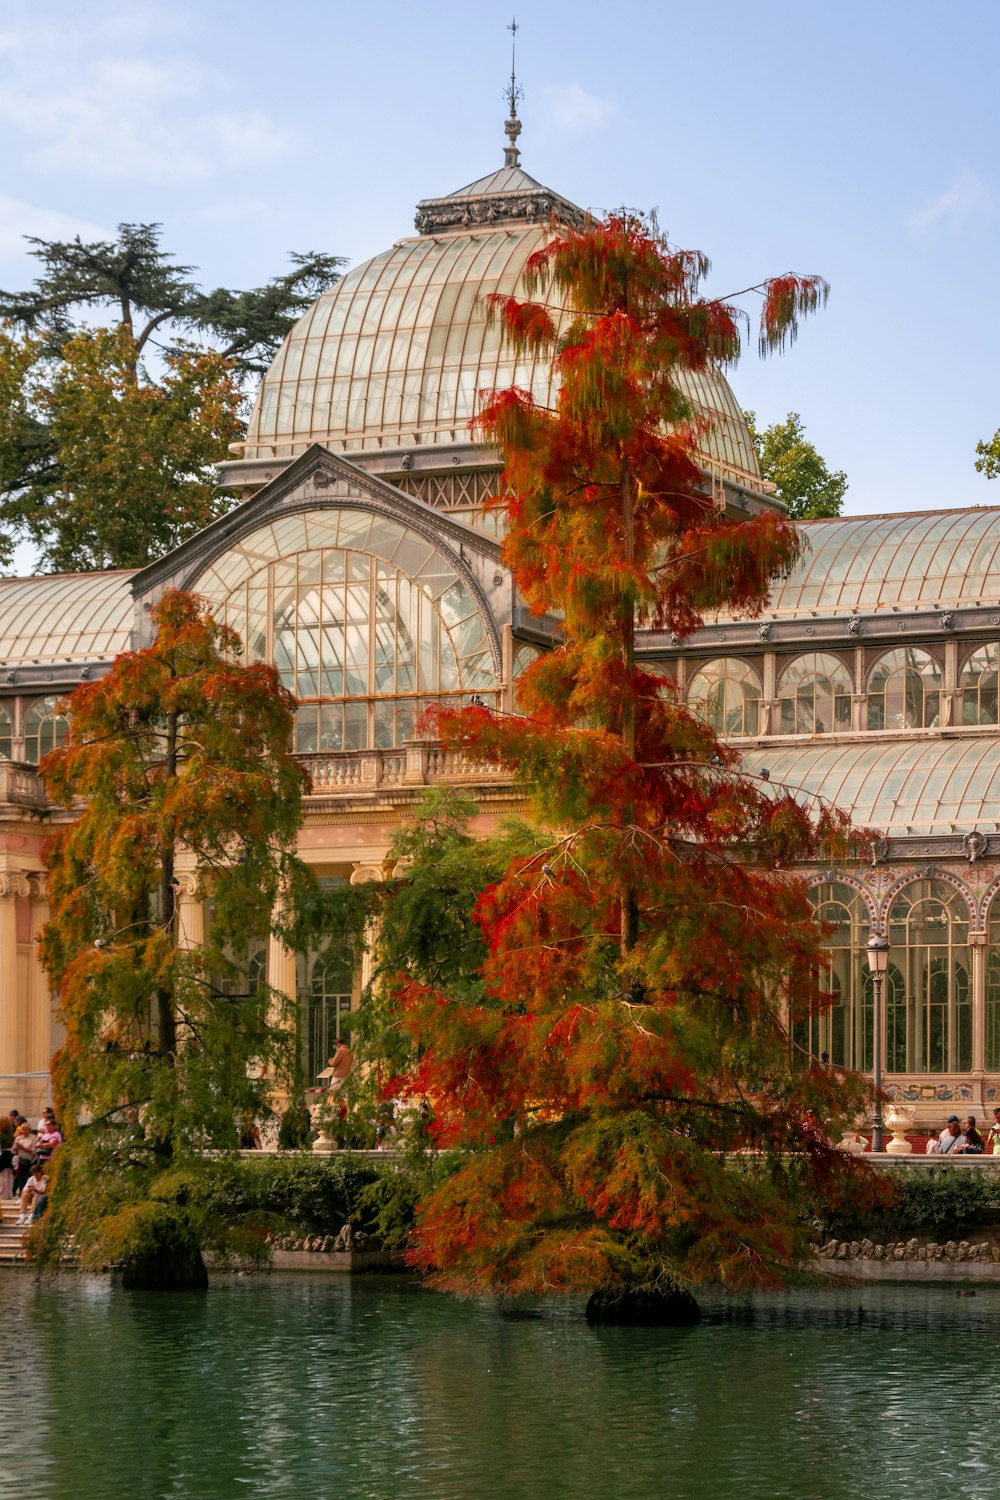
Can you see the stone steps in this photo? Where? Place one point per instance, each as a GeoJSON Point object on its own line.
{"type": "Point", "coordinates": [11, 1233]}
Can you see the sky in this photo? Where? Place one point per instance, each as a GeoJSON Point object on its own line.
{"type": "Point", "coordinates": [857, 141]}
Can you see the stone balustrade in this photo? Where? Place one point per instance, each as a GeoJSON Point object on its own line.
{"type": "Point", "coordinates": [21, 785]}
{"type": "Point", "coordinates": [416, 763]}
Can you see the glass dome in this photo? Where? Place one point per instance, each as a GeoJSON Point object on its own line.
{"type": "Point", "coordinates": [395, 354]}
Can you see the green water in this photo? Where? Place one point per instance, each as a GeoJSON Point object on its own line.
{"type": "Point", "coordinates": [313, 1387]}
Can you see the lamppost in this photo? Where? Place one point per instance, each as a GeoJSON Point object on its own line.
{"type": "Point", "coordinates": [878, 963]}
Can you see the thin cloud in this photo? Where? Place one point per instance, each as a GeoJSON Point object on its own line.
{"type": "Point", "coordinates": [18, 219]}
{"type": "Point", "coordinates": [968, 198]}
{"type": "Point", "coordinates": [232, 210]}
{"type": "Point", "coordinates": [121, 106]}
{"type": "Point", "coordinates": [571, 108]}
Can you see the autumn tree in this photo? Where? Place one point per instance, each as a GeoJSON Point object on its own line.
{"type": "Point", "coordinates": [131, 471]}
{"type": "Point", "coordinates": [617, 1077]}
{"type": "Point", "coordinates": [179, 751]}
{"type": "Point", "coordinates": [96, 468]}
{"type": "Point", "coordinates": [797, 470]}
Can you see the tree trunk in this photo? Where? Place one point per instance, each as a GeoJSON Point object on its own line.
{"type": "Point", "coordinates": [630, 905]}
{"type": "Point", "coordinates": [166, 1268]}
{"type": "Point", "coordinates": [644, 1307]}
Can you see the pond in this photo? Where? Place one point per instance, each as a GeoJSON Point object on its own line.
{"type": "Point", "coordinates": [372, 1389]}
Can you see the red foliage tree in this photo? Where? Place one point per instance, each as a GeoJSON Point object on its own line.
{"type": "Point", "coordinates": [180, 748]}
{"type": "Point", "coordinates": [622, 1087]}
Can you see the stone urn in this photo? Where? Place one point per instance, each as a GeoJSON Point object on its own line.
{"type": "Point", "coordinates": [324, 1141]}
{"type": "Point", "coordinates": [852, 1142]}
{"type": "Point", "coordinates": [899, 1119]}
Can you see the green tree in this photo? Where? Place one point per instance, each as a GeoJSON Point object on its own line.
{"type": "Point", "coordinates": [168, 1048]}
{"type": "Point", "coordinates": [621, 1046]}
{"type": "Point", "coordinates": [67, 482]}
{"type": "Point", "coordinates": [136, 278]}
{"type": "Point", "coordinates": [130, 470]}
{"type": "Point", "coordinates": [988, 456]}
{"type": "Point", "coordinates": [792, 464]}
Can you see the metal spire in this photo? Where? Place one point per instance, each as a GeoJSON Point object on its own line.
{"type": "Point", "coordinates": [512, 125]}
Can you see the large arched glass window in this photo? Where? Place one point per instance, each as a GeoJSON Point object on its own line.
{"type": "Point", "coordinates": [44, 729]}
{"type": "Point", "coordinates": [842, 1029]}
{"type": "Point", "coordinates": [726, 694]}
{"type": "Point", "coordinates": [6, 735]}
{"type": "Point", "coordinates": [366, 620]}
{"type": "Point", "coordinates": [979, 687]}
{"type": "Point", "coordinates": [814, 695]}
{"type": "Point", "coordinates": [929, 938]}
{"type": "Point", "coordinates": [904, 690]}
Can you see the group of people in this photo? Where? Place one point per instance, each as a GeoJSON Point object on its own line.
{"type": "Point", "coordinates": [25, 1152]}
{"type": "Point", "coordinates": [963, 1138]}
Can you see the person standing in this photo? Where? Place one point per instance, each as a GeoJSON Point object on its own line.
{"type": "Point", "coordinates": [25, 1141]}
{"type": "Point", "coordinates": [951, 1136]}
{"type": "Point", "coordinates": [973, 1143]}
{"type": "Point", "coordinates": [340, 1065]}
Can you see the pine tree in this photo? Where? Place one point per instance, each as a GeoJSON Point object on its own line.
{"type": "Point", "coordinates": [619, 1083]}
{"type": "Point", "coordinates": [96, 468]}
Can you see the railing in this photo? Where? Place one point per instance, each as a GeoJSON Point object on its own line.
{"type": "Point", "coordinates": [21, 785]}
{"type": "Point", "coordinates": [415, 763]}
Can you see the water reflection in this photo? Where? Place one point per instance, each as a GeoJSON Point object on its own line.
{"type": "Point", "coordinates": [315, 1387]}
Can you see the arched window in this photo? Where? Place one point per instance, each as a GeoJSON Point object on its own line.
{"type": "Point", "coordinates": [929, 938]}
{"type": "Point", "coordinates": [6, 735]}
{"type": "Point", "coordinates": [328, 1005]}
{"type": "Point", "coordinates": [843, 1028]}
{"type": "Point", "coordinates": [904, 690]}
{"type": "Point", "coordinates": [979, 686]}
{"type": "Point", "coordinates": [726, 694]}
{"type": "Point", "coordinates": [44, 729]}
{"type": "Point", "coordinates": [367, 622]}
{"type": "Point", "coordinates": [814, 695]}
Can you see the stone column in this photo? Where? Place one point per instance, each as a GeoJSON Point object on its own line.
{"type": "Point", "coordinates": [190, 911]}
{"type": "Point", "coordinates": [977, 941]}
{"type": "Point", "coordinates": [362, 872]}
{"type": "Point", "coordinates": [41, 1042]}
{"type": "Point", "coordinates": [12, 1001]}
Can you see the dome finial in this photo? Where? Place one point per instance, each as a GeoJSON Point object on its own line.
{"type": "Point", "coordinates": [512, 125]}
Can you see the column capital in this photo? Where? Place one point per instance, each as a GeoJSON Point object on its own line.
{"type": "Point", "coordinates": [14, 883]}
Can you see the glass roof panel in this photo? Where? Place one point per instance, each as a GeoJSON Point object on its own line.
{"type": "Point", "coordinates": [930, 559]}
{"type": "Point", "coordinates": [65, 617]}
{"type": "Point", "coordinates": [921, 786]}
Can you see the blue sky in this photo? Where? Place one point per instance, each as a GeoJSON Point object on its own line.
{"type": "Point", "coordinates": [858, 141]}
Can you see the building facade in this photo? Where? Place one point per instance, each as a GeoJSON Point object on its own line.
{"type": "Point", "coordinates": [358, 560]}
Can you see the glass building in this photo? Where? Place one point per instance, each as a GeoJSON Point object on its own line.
{"type": "Point", "coordinates": [358, 560]}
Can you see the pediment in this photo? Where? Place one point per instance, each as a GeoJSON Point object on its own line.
{"type": "Point", "coordinates": [320, 480]}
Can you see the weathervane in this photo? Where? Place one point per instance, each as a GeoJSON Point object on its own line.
{"type": "Point", "coordinates": [512, 94]}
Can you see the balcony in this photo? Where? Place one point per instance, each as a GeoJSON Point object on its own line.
{"type": "Point", "coordinates": [416, 763]}
{"type": "Point", "coordinates": [21, 785]}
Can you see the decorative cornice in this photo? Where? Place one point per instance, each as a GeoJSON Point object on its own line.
{"type": "Point", "coordinates": [489, 210]}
